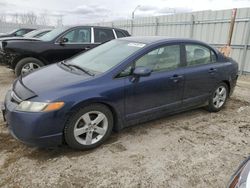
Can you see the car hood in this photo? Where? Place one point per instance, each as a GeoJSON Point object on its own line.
{"type": "Point", "coordinates": [5, 35]}
{"type": "Point", "coordinates": [50, 78]}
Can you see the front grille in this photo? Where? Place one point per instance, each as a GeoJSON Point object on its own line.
{"type": "Point", "coordinates": [15, 98]}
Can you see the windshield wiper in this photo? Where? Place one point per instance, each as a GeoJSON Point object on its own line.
{"type": "Point", "coordinates": [65, 64]}
{"type": "Point", "coordinates": [82, 69]}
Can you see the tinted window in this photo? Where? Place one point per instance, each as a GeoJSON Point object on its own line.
{"type": "Point", "coordinates": [119, 34]}
{"type": "Point", "coordinates": [164, 58]}
{"type": "Point", "coordinates": [80, 35]}
{"type": "Point", "coordinates": [21, 32]}
{"type": "Point", "coordinates": [197, 55]}
{"type": "Point", "coordinates": [103, 35]}
{"type": "Point", "coordinates": [41, 34]}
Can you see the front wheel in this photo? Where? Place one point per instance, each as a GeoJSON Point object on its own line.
{"type": "Point", "coordinates": [88, 127]}
{"type": "Point", "coordinates": [218, 98]}
{"type": "Point", "coordinates": [27, 65]}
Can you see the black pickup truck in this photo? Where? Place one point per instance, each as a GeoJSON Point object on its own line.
{"type": "Point", "coordinates": [61, 43]}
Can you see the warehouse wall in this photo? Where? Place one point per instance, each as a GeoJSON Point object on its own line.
{"type": "Point", "coordinates": [209, 26]}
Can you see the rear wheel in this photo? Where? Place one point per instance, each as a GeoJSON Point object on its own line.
{"type": "Point", "coordinates": [27, 65]}
{"type": "Point", "coordinates": [88, 127]}
{"type": "Point", "coordinates": [218, 98]}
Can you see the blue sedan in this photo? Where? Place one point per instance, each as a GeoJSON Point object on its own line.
{"type": "Point", "coordinates": [118, 84]}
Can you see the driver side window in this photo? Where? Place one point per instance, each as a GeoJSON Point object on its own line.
{"type": "Point", "coordinates": [80, 35]}
{"type": "Point", "coordinates": [161, 59]}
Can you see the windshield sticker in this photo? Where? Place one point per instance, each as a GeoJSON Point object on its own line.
{"type": "Point", "coordinates": [138, 45]}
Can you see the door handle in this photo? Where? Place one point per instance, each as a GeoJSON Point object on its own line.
{"type": "Point", "coordinates": [212, 70]}
{"type": "Point", "coordinates": [176, 78]}
{"type": "Point", "coordinates": [87, 48]}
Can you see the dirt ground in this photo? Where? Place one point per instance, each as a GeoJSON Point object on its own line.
{"type": "Point", "coordinates": [191, 149]}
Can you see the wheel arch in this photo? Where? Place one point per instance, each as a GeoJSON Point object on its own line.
{"type": "Point", "coordinates": [118, 123]}
{"type": "Point", "coordinates": [228, 85]}
{"type": "Point", "coordinates": [19, 58]}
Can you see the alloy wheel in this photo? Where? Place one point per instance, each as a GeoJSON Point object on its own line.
{"type": "Point", "coordinates": [90, 128]}
{"type": "Point", "coordinates": [29, 67]}
{"type": "Point", "coordinates": [220, 96]}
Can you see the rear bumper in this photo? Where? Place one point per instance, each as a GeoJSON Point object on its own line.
{"type": "Point", "coordinates": [37, 129]}
{"type": "Point", "coordinates": [233, 84]}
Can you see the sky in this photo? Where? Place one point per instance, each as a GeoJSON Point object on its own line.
{"type": "Point", "coordinates": [73, 12]}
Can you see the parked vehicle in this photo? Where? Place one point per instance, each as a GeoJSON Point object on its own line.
{"type": "Point", "coordinates": [241, 178]}
{"type": "Point", "coordinates": [37, 33]}
{"type": "Point", "coordinates": [118, 84]}
{"type": "Point", "coordinates": [33, 34]}
{"type": "Point", "coordinates": [16, 32]}
{"type": "Point", "coordinates": [57, 45]}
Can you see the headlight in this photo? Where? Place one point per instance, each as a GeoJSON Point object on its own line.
{"type": "Point", "coordinates": [29, 106]}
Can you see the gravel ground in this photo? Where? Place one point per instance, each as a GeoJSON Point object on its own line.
{"type": "Point", "coordinates": [190, 149]}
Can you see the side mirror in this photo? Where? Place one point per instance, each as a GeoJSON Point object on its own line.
{"type": "Point", "coordinates": [63, 40]}
{"type": "Point", "coordinates": [142, 71]}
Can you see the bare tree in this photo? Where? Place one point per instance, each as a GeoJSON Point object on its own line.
{"type": "Point", "coordinates": [28, 18]}
{"type": "Point", "coordinates": [15, 18]}
{"type": "Point", "coordinates": [32, 18]}
{"type": "Point", "coordinates": [43, 19]}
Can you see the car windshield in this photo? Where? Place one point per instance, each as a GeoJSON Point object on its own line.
{"type": "Point", "coordinates": [106, 56]}
{"type": "Point", "coordinates": [31, 34]}
{"type": "Point", "coordinates": [53, 34]}
{"type": "Point", "coordinates": [34, 33]}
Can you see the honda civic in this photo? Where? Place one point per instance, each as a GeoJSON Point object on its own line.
{"type": "Point", "coordinates": [115, 85]}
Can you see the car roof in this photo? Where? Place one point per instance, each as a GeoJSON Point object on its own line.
{"type": "Point", "coordinates": [102, 27]}
{"type": "Point", "coordinates": [158, 39]}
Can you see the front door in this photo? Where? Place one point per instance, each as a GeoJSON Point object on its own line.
{"type": "Point", "coordinates": [162, 90]}
{"type": "Point", "coordinates": [78, 40]}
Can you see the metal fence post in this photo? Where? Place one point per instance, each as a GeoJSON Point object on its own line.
{"type": "Point", "coordinates": [132, 27]}
{"type": "Point", "coordinates": [191, 33]}
{"type": "Point", "coordinates": [156, 26]}
{"type": "Point", "coordinates": [244, 55]}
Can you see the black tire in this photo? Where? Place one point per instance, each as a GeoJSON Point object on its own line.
{"type": "Point", "coordinates": [20, 64]}
{"type": "Point", "coordinates": [72, 121]}
{"type": "Point", "coordinates": [211, 104]}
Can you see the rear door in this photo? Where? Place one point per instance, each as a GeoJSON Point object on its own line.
{"type": "Point", "coordinates": [200, 74]}
{"type": "Point", "coordinates": [162, 90]}
{"type": "Point", "coordinates": [102, 35]}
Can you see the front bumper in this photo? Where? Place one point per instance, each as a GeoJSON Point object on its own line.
{"type": "Point", "coordinates": [43, 129]}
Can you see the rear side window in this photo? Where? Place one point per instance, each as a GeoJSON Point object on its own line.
{"type": "Point", "coordinates": [198, 55]}
{"type": "Point", "coordinates": [161, 59]}
{"type": "Point", "coordinates": [119, 34]}
{"type": "Point", "coordinates": [103, 35]}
